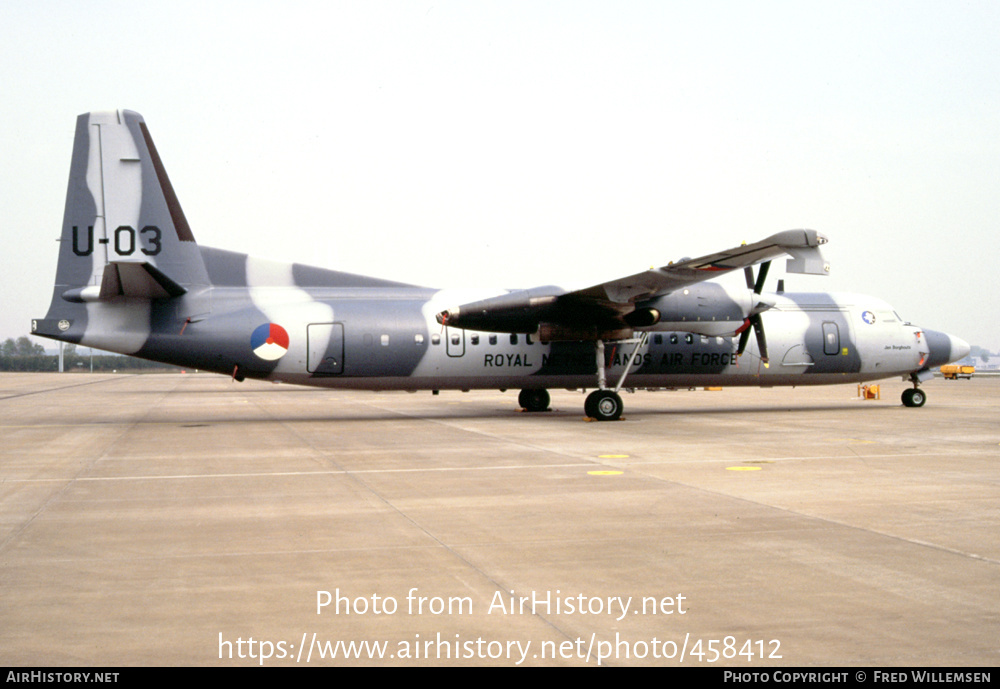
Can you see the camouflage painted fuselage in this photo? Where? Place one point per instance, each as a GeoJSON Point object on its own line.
{"type": "Point", "coordinates": [381, 335]}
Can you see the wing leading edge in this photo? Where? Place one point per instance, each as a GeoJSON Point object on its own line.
{"type": "Point", "coordinates": [612, 309]}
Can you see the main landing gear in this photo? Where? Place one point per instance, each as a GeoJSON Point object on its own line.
{"type": "Point", "coordinates": [603, 404]}
{"type": "Point", "coordinates": [534, 399]}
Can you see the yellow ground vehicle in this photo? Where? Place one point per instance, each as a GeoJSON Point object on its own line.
{"type": "Point", "coordinates": [955, 371]}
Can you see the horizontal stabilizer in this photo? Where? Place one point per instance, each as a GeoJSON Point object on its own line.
{"type": "Point", "coordinates": [131, 280]}
{"type": "Point", "coordinates": [137, 280]}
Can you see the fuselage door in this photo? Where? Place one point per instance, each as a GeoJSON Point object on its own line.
{"type": "Point", "coordinates": [831, 338]}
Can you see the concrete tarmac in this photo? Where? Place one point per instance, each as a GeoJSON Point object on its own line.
{"type": "Point", "coordinates": [180, 519]}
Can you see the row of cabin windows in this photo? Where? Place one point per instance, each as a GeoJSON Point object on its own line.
{"type": "Point", "coordinates": [456, 339]}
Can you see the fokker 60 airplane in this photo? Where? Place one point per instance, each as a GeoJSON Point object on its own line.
{"type": "Point", "coordinates": [131, 279]}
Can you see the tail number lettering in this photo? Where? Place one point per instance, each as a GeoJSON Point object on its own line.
{"type": "Point", "coordinates": [124, 241]}
{"type": "Point", "coordinates": [153, 239]}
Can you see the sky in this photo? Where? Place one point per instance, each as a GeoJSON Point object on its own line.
{"type": "Point", "coordinates": [516, 144]}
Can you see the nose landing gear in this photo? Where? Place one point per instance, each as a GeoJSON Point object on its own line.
{"type": "Point", "coordinates": [914, 397]}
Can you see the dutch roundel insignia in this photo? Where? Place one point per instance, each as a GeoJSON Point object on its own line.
{"type": "Point", "coordinates": [868, 317]}
{"type": "Point", "coordinates": [269, 341]}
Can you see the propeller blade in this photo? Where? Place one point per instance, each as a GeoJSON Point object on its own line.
{"type": "Point", "coordinates": [744, 338]}
{"type": "Point", "coordinates": [761, 276]}
{"type": "Point", "coordinates": [758, 330]}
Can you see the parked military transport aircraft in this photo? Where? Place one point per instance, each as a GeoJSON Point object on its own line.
{"type": "Point", "coordinates": [131, 279]}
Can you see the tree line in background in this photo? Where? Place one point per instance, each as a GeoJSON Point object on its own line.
{"type": "Point", "coordinates": [23, 355]}
{"type": "Point", "coordinates": [980, 353]}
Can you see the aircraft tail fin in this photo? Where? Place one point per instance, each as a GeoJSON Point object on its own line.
{"type": "Point", "coordinates": [124, 234]}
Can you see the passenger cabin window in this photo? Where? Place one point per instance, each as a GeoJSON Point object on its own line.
{"type": "Point", "coordinates": [493, 339]}
{"type": "Point", "coordinates": [418, 339]}
{"type": "Point", "coordinates": [435, 339]}
{"type": "Point", "coordinates": [513, 338]}
{"type": "Point", "coordinates": [474, 339]}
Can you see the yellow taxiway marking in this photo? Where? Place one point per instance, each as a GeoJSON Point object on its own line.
{"type": "Point", "coordinates": [742, 468]}
{"type": "Point", "coordinates": [612, 456]}
{"type": "Point", "coordinates": [604, 473]}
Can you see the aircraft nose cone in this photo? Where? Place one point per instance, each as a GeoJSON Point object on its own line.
{"type": "Point", "coordinates": [959, 348]}
{"type": "Point", "coordinates": [944, 348]}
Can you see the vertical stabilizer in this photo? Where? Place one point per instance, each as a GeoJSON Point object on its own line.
{"type": "Point", "coordinates": [125, 241]}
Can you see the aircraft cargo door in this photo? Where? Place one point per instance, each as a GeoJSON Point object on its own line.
{"type": "Point", "coordinates": [325, 342]}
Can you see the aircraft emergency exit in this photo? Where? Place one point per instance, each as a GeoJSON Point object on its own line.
{"type": "Point", "coordinates": [131, 279]}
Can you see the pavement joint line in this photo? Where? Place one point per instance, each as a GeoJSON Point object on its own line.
{"type": "Point", "coordinates": [327, 472]}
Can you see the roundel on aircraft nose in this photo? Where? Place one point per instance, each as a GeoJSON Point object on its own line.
{"type": "Point", "coordinates": [269, 341]}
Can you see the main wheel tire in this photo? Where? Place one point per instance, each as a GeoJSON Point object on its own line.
{"type": "Point", "coordinates": [604, 405]}
{"type": "Point", "coordinates": [534, 400]}
{"type": "Point", "coordinates": [914, 397]}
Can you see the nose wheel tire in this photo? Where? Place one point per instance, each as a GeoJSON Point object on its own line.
{"type": "Point", "coordinates": [603, 405]}
{"type": "Point", "coordinates": [914, 397]}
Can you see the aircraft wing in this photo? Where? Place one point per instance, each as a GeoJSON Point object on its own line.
{"type": "Point", "coordinates": [609, 308]}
